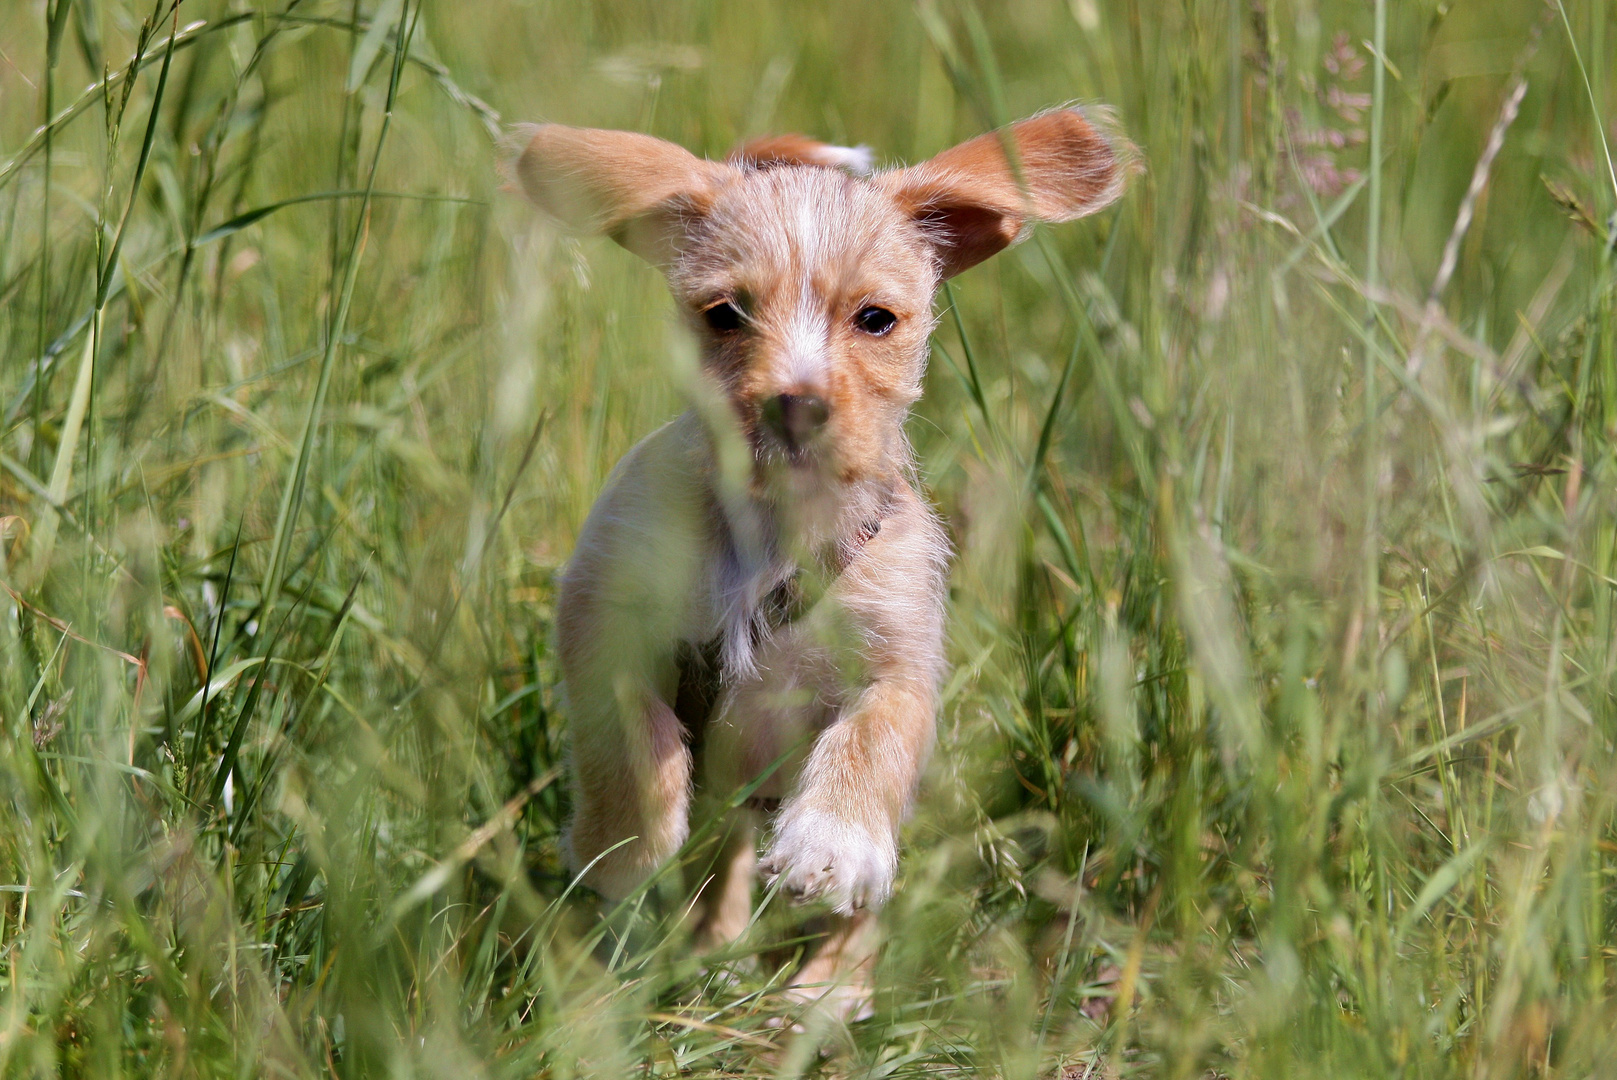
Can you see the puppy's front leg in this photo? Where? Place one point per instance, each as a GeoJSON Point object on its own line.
{"type": "Point", "coordinates": [836, 837]}
{"type": "Point", "coordinates": [631, 791]}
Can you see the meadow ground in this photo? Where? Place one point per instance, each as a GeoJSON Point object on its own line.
{"type": "Point", "coordinates": [1279, 738]}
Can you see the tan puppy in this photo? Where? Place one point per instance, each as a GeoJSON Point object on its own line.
{"type": "Point", "coordinates": [760, 580]}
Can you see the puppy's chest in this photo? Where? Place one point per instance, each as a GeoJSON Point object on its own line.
{"type": "Point", "coordinates": [782, 628]}
{"type": "Point", "coordinates": [751, 624]}
{"type": "Point", "coordinates": [709, 668]}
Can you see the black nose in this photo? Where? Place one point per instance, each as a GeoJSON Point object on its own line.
{"type": "Point", "coordinates": [795, 418]}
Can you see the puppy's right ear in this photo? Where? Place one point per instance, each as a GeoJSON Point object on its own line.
{"type": "Point", "coordinates": [641, 191]}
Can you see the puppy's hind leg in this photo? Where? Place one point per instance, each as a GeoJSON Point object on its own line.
{"type": "Point", "coordinates": [836, 977]}
{"type": "Point", "coordinates": [724, 904]}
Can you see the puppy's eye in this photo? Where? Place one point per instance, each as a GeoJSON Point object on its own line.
{"type": "Point", "coordinates": [875, 321]}
{"type": "Point", "coordinates": [723, 317]}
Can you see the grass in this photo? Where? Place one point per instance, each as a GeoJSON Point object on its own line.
{"type": "Point", "coordinates": [1279, 739]}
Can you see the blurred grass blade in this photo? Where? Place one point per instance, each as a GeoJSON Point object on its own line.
{"type": "Point", "coordinates": [97, 91]}
{"type": "Point", "coordinates": [223, 680]}
{"type": "Point", "coordinates": [384, 19]}
{"type": "Point", "coordinates": [43, 540]}
{"type": "Point", "coordinates": [1594, 102]}
{"type": "Point", "coordinates": [292, 492]}
{"type": "Point", "coordinates": [1047, 429]}
{"type": "Point", "coordinates": [259, 213]}
{"type": "Point", "coordinates": [1437, 886]}
{"type": "Point", "coordinates": [438, 876]}
{"type": "Point", "coordinates": [104, 273]}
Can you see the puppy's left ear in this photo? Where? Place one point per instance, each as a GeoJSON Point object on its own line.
{"type": "Point", "coordinates": [972, 204]}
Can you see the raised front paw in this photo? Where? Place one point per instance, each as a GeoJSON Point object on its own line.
{"type": "Point", "coordinates": [821, 856]}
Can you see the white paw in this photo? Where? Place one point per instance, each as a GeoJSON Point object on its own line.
{"type": "Point", "coordinates": [820, 856]}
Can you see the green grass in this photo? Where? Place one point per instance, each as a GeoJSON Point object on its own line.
{"type": "Point", "coordinates": [1280, 734]}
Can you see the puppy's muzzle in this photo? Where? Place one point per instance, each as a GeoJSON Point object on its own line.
{"type": "Point", "coordinates": [796, 420]}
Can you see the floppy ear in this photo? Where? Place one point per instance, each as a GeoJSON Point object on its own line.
{"type": "Point", "coordinates": [972, 205]}
{"type": "Point", "coordinates": [641, 191]}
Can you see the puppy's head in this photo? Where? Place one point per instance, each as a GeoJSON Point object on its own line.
{"type": "Point", "coordinates": [809, 286]}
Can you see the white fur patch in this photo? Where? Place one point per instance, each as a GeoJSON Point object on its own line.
{"type": "Point", "coordinates": [806, 342]}
{"type": "Point", "coordinates": [856, 159]}
{"type": "Point", "coordinates": [821, 856]}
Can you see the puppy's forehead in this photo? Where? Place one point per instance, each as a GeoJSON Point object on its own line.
{"type": "Point", "coordinates": [785, 223]}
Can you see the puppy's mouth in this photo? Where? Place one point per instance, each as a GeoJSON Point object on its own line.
{"type": "Point", "coordinates": [772, 454]}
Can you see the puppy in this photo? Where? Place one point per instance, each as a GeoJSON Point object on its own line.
{"type": "Point", "coordinates": [758, 595]}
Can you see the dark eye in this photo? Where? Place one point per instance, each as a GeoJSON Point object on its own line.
{"type": "Point", "coordinates": [723, 317]}
{"type": "Point", "coordinates": [875, 321]}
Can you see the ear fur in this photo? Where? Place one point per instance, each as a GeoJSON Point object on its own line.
{"type": "Point", "coordinates": [639, 190]}
{"type": "Point", "coordinates": [972, 204]}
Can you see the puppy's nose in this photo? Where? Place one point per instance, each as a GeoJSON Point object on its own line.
{"type": "Point", "coordinates": [796, 418]}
